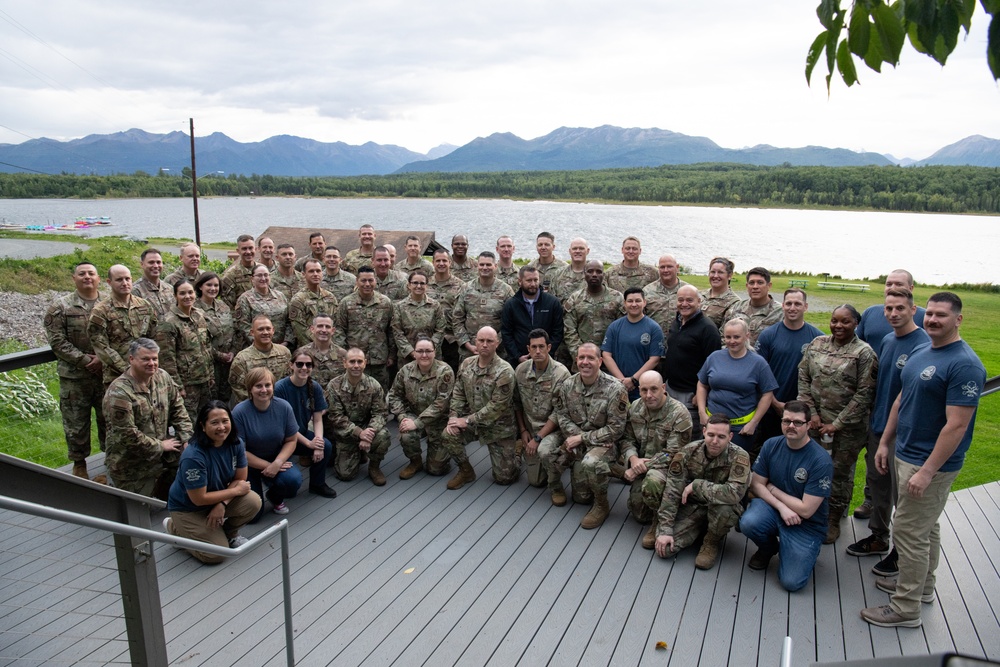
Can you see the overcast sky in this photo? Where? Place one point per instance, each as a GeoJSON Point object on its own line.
{"type": "Point", "coordinates": [420, 74]}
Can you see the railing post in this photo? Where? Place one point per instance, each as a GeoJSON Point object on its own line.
{"type": "Point", "coordinates": [147, 643]}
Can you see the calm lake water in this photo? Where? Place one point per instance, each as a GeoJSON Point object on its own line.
{"type": "Point", "coordinates": [936, 248]}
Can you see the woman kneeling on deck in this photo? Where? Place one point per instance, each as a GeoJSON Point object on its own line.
{"type": "Point", "coordinates": [210, 499]}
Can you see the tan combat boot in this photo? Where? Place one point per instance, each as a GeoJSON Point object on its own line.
{"type": "Point", "coordinates": [559, 496]}
{"type": "Point", "coordinates": [649, 539]}
{"type": "Point", "coordinates": [412, 468]}
{"type": "Point", "coordinates": [80, 469]}
{"type": "Point", "coordinates": [708, 553]}
{"type": "Point", "coordinates": [598, 513]}
{"type": "Point", "coordinates": [465, 475]}
{"type": "Point", "coordinates": [375, 473]}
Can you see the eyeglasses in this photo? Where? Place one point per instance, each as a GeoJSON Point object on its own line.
{"type": "Point", "coordinates": [303, 364]}
{"type": "Point", "coordinates": [420, 283]}
{"type": "Point", "coordinates": [797, 423]}
{"type": "Point", "coordinates": [423, 352]}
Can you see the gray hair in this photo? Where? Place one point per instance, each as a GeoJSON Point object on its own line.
{"type": "Point", "coordinates": [142, 344]}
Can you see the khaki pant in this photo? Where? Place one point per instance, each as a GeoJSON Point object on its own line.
{"type": "Point", "coordinates": [192, 525]}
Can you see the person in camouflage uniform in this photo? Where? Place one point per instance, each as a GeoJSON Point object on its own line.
{"type": "Point", "coordinates": [313, 300]}
{"type": "Point", "coordinates": [479, 305]}
{"type": "Point", "coordinates": [186, 350]}
{"type": "Point", "coordinates": [287, 279]}
{"type": "Point", "coordinates": [571, 278]}
{"type": "Point", "coordinates": [156, 292]}
{"type": "Point", "coordinates": [317, 249]}
{"type": "Point", "coordinates": [415, 316]}
{"type": "Point", "coordinates": [658, 426]}
{"type": "Point", "coordinates": [262, 352]}
{"type": "Point", "coordinates": [506, 269]}
{"type": "Point", "coordinates": [80, 387]}
{"type": "Point", "coordinates": [219, 319]}
{"type": "Point", "coordinates": [591, 411]}
{"type": "Point", "coordinates": [718, 297]}
{"type": "Point", "coordinates": [461, 266]}
{"type": "Point", "coordinates": [328, 357]}
{"type": "Point", "coordinates": [355, 259]}
{"type": "Point", "coordinates": [445, 288]}
{"type": "Point", "coordinates": [388, 281]}
{"type": "Point", "coordinates": [760, 310]}
{"type": "Point", "coordinates": [116, 322]}
{"type": "Point", "coordinates": [706, 482]}
{"type": "Point", "coordinates": [420, 399]}
{"type": "Point", "coordinates": [546, 263]}
{"type": "Point", "coordinates": [534, 403]}
{"type": "Point", "coordinates": [630, 272]}
{"type": "Point", "coordinates": [837, 379]}
{"type": "Point", "coordinates": [262, 300]}
{"type": "Point", "coordinates": [482, 408]}
{"type": "Point", "coordinates": [141, 405]}
{"type": "Point", "coordinates": [338, 281]}
{"type": "Point", "coordinates": [590, 311]}
{"type": "Point", "coordinates": [358, 415]}
{"type": "Point", "coordinates": [413, 259]}
{"type": "Point", "coordinates": [238, 278]}
{"type": "Point", "coordinates": [265, 253]}
{"type": "Point", "coordinates": [661, 296]}
{"type": "Point", "coordinates": [364, 320]}
{"type": "Point", "coordinates": [189, 269]}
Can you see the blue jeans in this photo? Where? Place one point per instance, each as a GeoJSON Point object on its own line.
{"type": "Point", "coordinates": [283, 485]}
{"type": "Point", "coordinates": [797, 546]}
{"type": "Point", "coordinates": [317, 471]}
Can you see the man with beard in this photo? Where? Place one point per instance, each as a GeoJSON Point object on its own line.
{"type": "Point", "coordinates": [529, 309]}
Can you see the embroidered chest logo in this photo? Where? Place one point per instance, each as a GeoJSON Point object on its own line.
{"type": "Point", "coordinates": [801, 475]}
{"type": "Point", "coordinates": [901, 361]}
{"type": "Point", "coordinates": [928, 373]}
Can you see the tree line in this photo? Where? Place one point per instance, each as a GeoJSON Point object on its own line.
{"type": "Point", "coordinates": [936, 189]}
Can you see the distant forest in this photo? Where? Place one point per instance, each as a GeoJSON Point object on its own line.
{"type": "Point", "coordinates": [932, 189]}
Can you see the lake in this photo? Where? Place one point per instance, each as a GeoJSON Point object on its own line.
{"type": "Point", "coordinates": [936, 248]}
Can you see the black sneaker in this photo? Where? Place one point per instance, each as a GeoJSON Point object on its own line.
{"type": "Point", "coordinates": [888, 566]}
{"type": "Point", "coordinates": [760, 560]}
{"type": "Point", "coordinates": [870, 546]}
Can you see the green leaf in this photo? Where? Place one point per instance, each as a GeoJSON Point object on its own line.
{"type": "Point", "coordinates": [947, 36]}
{"type": "Point", "coordinates": [993, 46]}
{"type": "Point", "coordinates": [965, 9]}
{"type": "Point", "coordinates": [921, 12]}
{"type": "Point", "coordinates": [991, 6]}
{"type": "Point", "coordinates": [827, 11]}
{"type": "Point", "coordinates": [845, 63]}
{"type": "Point", "coordinates": [916, 39]}
{"type": "Point", "coordinates": [859, 30]}
{"type": "Point", "coordinates": [812, 57]}
{"type": "Point", "coordinates": [874, 56]}
{"type": "Point", "coordinates": [889, 28]}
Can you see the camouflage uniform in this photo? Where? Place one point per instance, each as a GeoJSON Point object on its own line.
{"type": "Point", "coordinates": [410, 319]}
{"type": "Point", "coordinates": [838, 382]}
{"type": "Point", "coordinates": [80, 391]}
{"type": "Point", "coordinates": [598, 413]}
{"type": "Point", "coordinates": [647, 434]}
{"type": "Point", "coordinates": [186, 353]}
{"type": "Point", "coordinates": [367, 325]}
{"type": "Point", "coordinates": [425, 398]}
{"type": "Point", "coordinates": [219, 319]}
{"type": "Point", "coordinates": [392, 286]}
{"type": "Point", "coordinates": [534, 397]}
{"type": "Point", "coordinates": [303, 309]}
{"type": "Point", "coordinates": [620, 277]}
{"type": "Point", "coordinates": [112, 328]}
{"type": "Point", "coordinates": [300, 263]}
{"type": "Point", "coordinates": [485, 396]}
{"type": "Point", "coordinates": [547, 271]}
{"type": "Point", "coordinates": [422, 263]}
{"type": "Point", "coordinates": [251, 304]}
{"type": "Point", "coordinates": [757, 319]}
{"type": "Point", "coordinates": [477, 307]}
{"type": "Point", "coordinates": [565, 282]}
{"type": "Point", "coordinates": [716, 307]}
{"type": "Point", "coordinates": [341, 285]}
{"type": "Point", "coordinates": [509, 275]}
{"type": "Point", "coordinates": [275, 360]}
{"type": "Point", "coordinates": [587, 317]}
{"type": "Point", "coordinates": [719, 485]}
{"type": "Point", "coordinates": [289, 286]}
{"type": "Point", "coordinates": [354, 260]}
{"type": "Point", "coordinates": [661, 305]}
{"type": "Point", "coordinates": [137, 423]}
{"type": "Point", "coordinates": [234, 281]}
{"type": "Point", "coordinates": [352, 410]}
{"type": "Point", "coordinates": [178, 275]}
{"type": "Point", "coordinates": [465, 272]}
{"type": "Point", "coordinates": [329, 364]}
{"type": "Point", "coordinates": [161, 297]}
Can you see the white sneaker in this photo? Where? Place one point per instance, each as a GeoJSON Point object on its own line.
{"type": "Point", "coordinates": [168, 525]}
{"type": "Point", "coordinates": [237, 541]}
{"type": "Point", "coordinates": [280, 508]}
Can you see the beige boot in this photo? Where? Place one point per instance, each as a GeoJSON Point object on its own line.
{"type": "Point", "coordinates": [649, 539]}
{"type": "Point", "coordinates": [465, 475]}
{"type": "Point", "coordinates": [559, 496]}
{"type": "Point", "coordinates": [80, 469]}
{"type": "Point", "coordinates": [598, 513]}
{"type": "Point", "coordinates": [413, 467]}
{"type": "Point", "coordinates": [375, 473]}
{"type": "Point", "coordinates": [708, 553]}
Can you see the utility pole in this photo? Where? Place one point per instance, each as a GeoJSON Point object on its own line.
{"type": "Point", "coordinates": [194, 190]}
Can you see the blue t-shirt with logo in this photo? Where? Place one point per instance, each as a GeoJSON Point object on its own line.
{"type": "Point", "coordinates": [896, 352]}
{"type": "Point", "coordinates": [933, 379]}
{"type": "Point", "coordinates": [799, 472]}
{"type": "Point", "coordinates": [631, 344]}
{"type": "Point", "coordinates": [204, 467]}
{"type": "Point", "coordinates": [736, 385]}
{"type": "Point", "coordinates": [874, 326]}
{"type": "Point", "coordinates": [782, 348]}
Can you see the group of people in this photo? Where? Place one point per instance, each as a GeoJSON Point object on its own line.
{"type": "Point", "coordinates": [718, 411]}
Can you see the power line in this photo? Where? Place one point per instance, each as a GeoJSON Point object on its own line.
{"type": "Point", "coordinates": [17, 166]}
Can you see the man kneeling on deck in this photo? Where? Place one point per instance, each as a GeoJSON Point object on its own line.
{"type": "Point", "coordinates": [791, 483]}
{"type": "Point", "coordinates": [706, 480]}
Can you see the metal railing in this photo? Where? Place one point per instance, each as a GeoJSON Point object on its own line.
{"type": "Point", "coordinates": [182, 542]}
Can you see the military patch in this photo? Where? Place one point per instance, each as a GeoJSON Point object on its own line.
{"type": "Point", "coordinates": [739, 470]}
{"type": "Point", "coordinates": [119, 415]}
{"type": "Point", "coordinates": [676, 466]}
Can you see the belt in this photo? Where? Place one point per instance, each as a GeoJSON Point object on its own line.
{"type": "Point", "coordinates": [739, 421]}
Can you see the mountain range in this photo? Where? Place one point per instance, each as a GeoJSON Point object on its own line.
{"type": "Point", "coordinates": [562, 149]}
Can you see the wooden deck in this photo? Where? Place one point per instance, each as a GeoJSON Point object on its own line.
{"type": "Point", "coordinates": [414, 574]}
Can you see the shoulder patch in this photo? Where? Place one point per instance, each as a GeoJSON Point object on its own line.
{"type": "Point", "coordinates": [676, 467]}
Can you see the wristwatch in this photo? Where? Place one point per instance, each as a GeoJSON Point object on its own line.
{"type": "Point", "coordinates": [538, 438]}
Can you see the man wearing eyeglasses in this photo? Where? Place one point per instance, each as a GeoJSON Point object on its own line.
{"type": "Point", "coordinates": [791, 484]}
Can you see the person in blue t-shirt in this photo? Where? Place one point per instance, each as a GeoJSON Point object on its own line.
{"type": "Point", "coordinates": [791, 485]}
{"type": "Point", "coordinates": [632, 344]}
{"type": "Point", "coordinates": [210, 499]}
{"type": "Point", "coordinates": [308, 402]}
{"type": "Point", "coordinates": [736, 381]}
{"type": "Point", "coordinates": [874, 326]}
{"type": "Point", "coordinates": [932, 422]}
